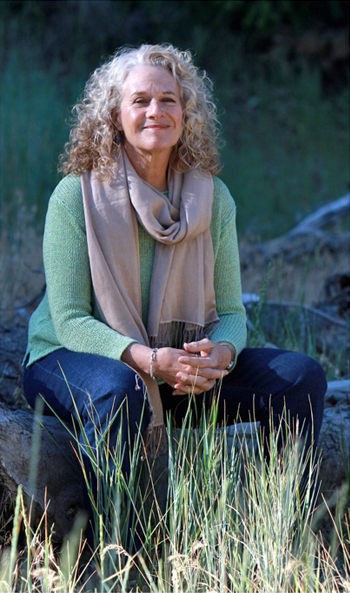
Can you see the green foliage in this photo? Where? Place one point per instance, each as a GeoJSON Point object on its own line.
{"type": "Point", "coordinates": [287, 141]}
{"type": "Point", "coordinates": [283, 152]}
{"type": "Point", "coordinates": [32, 131]}
{"type": "Point", "coordinates": [287, 145]}
{"type": "Point", "coordinates": [164, 17]}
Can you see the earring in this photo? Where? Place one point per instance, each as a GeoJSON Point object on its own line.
{"type": "Point", "coordinates": [118, 138]}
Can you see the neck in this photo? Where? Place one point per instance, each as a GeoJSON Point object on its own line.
{"type": "Point", "coordinates": [151, 167]}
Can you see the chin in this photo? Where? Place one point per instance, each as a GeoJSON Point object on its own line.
{"type": "Point", "coordinates": [158, 147]}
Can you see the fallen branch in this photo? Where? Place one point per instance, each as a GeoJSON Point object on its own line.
{"type": "Point", "coordinates": [321, 217]}
{"type": "Point", "coordinates": [343, 386]}
{"type": "Point", "coordinates": [309, 309]}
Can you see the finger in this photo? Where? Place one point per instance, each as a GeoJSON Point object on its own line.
{"type": "Point", "coordinates": [188, 392]}
{"type": "Point", "coordinates": [204, 344]}
{"type": "Point", "coordinates": [179, 392]}
{"type": "Point", "coordinates": [182, 389]}
{"type": "Point", "coordinates": [189, 379]}
{"type": "Point", "coordinates": [196, 361]}
{"type": "Point", "coordinates": [207, 373]}
{"type": "Point", "coordinates": [194, 382]}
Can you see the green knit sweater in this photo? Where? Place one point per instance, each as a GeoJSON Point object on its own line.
{"type": "Point", "coordinates": [68, 317]}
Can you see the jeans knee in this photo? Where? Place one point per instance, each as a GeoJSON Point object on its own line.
{"type": "Point", "coordinates": [313, 377]}
{"type": "Point", "coordinates": [305, 385]}
{"type": "Point", "coordinates": [136, 406]}
{"type": "Point", "coordinates": [120, 400]}
{"type": "Point", "coordinates": [311, 392]}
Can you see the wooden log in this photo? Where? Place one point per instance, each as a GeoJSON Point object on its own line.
{"type": "Point", "coordinates": [58, 474]}
{"type": "Point", "coordinates": [335, 446]}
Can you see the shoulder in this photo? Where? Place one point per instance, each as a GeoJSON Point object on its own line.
{"type": "Point", "coordinates": [222, 193]}
{"type": "Point", "coordinates": [224, 205]}
{"type": "Point", "coordinates": [68, 193]}
{"type": "Point", "coordinates": [68, 190]}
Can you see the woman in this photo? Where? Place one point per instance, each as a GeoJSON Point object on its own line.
{"type": "Point", "coordinates": [143, 304]}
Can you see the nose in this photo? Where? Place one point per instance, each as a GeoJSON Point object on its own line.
{"type": "Point", "coordinates": [154, 108]}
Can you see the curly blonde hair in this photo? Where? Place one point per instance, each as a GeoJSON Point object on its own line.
{"type": "Point", "coordinates": [93, 144]}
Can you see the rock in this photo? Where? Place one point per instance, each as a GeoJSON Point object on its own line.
{"type": "Point", "coordinates": [336, 298]}
{"type": "Point", "coordinates": [12, 349]}
{"type": "Point", "coordinates": [338, 392]}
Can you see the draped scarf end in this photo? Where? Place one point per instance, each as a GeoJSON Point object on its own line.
{"type": "Point", "coordinates": [175, 333]}
{"type": "Point", "coordinates": [156, 442]}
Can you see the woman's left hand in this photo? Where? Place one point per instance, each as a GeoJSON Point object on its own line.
{"type": "Point", "coordinates": [210, 362]}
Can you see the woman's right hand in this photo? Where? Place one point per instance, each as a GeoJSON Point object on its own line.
{"type": "Point", "coordinates": [168, 368]}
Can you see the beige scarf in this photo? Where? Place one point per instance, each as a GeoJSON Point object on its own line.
{"type": "Point", "coordinates": [182, 299]}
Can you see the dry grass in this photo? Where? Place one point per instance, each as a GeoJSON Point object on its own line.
{"type": "Point", "coordinates": [230, 524]}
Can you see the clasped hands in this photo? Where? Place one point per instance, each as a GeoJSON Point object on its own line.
{"type": "Point", "coordinates": [195, 368]}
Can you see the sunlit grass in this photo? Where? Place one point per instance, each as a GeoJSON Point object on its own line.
{"type": "Point", "coordinates": [229, 522]}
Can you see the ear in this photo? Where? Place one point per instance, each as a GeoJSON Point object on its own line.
{"type": "Point", "coordinates": [116, 121]}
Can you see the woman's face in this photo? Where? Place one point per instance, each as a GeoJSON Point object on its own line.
{"type": "Point", "coordinates": [150, 116]}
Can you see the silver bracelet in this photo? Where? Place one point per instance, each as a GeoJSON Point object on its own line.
{"type": "Point", "coordinates": [153, 359]}
{"type": "Point", "coordinates": [232, 364]}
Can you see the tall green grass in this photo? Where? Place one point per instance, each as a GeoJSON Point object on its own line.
{"type": "Point", "coordinates": [34, 108]}
{"type": "Point", "coordinates": [287, 147]}
{"type": "Point", "coordinates": [230, 522]}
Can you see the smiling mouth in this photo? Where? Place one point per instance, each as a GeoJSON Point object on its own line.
{"type": "Point", "coordinates": [156, 127]}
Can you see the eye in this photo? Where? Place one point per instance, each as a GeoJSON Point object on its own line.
{"type": "Point", "coordinates": [168, 100]}
{"type": "Point", "coordinates": [140, 101]}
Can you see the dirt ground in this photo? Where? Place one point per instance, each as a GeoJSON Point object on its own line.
{"type": "Point", "coordinates": [297, 270]}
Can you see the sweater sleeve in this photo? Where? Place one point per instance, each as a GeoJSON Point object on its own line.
{"type": "Point", "coordinates": [68, 278]}
{"type": "Point", "coordinates": [227, 276]}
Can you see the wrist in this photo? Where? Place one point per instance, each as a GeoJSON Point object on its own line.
{"type": "Point", "coordinates": [137, 356]}
{"type": "Point", "coordinates": [233, 356]}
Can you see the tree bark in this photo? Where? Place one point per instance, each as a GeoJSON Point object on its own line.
{"type": "Point", "coordinates": [55, 479]}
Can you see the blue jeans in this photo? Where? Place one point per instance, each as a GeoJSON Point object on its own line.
{"type": "Point", "coordinates": [265, 384]}
{"type": "Point", "coordinates": [263, 380]}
